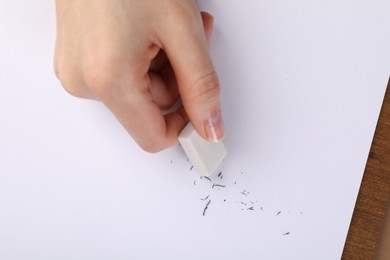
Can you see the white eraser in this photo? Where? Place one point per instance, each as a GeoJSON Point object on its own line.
{"type": "Point", "coordinates": [205, 156]}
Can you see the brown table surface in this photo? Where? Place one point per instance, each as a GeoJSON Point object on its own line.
{"type": "Point", "coordinates": [369, 215]}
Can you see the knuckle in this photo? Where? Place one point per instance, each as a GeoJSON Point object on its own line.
{"type": "Point", "coordinates": [103, 76]}
{"type": "Point", "coordinates": [68, 82]}
{"type": "Point", "coordinates": [56, 65]}
{"type": "Point", "coordinates": [56, 71]}
{"type": "Point", "coordinates": [154, 142]}
{"type": "Point", "coordinates": [150, 146]}
{"type": "Point", "coordinates": [99, 77]}
{"type": "Point", "coordinates": [72, 90]}
{"type": "Point", "coordinates": [168, 103]}
{"type": "Point", "coordinates": [205, 87]}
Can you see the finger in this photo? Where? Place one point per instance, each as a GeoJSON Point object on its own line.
{"type": "Point", "coordinates": [163, 88]}
{"type": "Point", "coordinates": [186, 47]}
{"type": "Point", "coordinates": [143, 120]}
{"type": "Point", "coordinates": [161, 59]}
{"type": "Point", "coordinates": [127, 93]}
{"type": "Point", "coordinates": [163, 82]}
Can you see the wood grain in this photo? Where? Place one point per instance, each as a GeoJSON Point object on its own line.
{"type": "Point", "coordinates": [368, 218]}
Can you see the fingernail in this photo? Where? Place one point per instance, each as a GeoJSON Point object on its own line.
{"type": "Point", "coordinates": [214, 128]}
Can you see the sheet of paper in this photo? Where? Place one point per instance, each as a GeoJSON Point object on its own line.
{"type": "Point", "coordinates": [302, 86]}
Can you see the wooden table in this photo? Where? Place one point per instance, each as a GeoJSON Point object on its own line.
{"type": "Point", "coordinates": [364, 234]}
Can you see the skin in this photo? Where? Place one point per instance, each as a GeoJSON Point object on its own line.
{"type": "Point", "coordinates": [139, 57]}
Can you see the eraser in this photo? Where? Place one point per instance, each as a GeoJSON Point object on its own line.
{"type": "Point", "coordinates": [205, 156]}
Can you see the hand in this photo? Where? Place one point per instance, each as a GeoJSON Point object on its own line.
{"type": "Point", "coordinates": [139, 57]}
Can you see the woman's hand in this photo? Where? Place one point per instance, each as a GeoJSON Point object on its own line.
{"type": "Point", "coordinates": [139, 57]}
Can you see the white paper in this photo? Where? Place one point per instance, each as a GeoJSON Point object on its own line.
{"type": "Point", "coordinates": [302, 86]}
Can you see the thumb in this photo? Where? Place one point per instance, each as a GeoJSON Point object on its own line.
{"type": "Point", "coordinates": [187, 50]}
